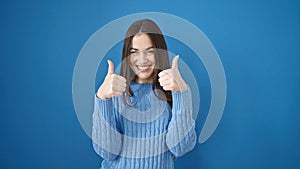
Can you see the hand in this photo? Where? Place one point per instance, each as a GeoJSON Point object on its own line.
{"type": "Point", "coordinates": [113, 84]}
{"type": "Point", "coordinates": [171, 79]}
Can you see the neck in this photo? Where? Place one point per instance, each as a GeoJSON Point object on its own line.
{"type": "Point", "coordinates": [143, 81]}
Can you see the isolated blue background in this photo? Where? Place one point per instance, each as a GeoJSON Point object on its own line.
{"type": "Point", "coordinates": [258, 43]}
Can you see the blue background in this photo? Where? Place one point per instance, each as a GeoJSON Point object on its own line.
{"type": "Point", "coordinates": [258, 43]}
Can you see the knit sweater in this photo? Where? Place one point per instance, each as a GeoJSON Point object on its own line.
{"type": "Point", "coordinates": [149, 135]}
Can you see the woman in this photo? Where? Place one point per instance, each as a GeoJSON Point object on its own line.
{"type": "Point", "coordinates": [131, 128]}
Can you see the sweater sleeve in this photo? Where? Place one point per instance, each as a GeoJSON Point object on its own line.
{"type": "Point", "coordinates": [107, 140]}
{"type": "Point", "coordinates": [181, 136]}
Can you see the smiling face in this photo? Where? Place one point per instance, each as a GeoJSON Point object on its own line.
{"type": "Point", "coordinates": [142, 58]}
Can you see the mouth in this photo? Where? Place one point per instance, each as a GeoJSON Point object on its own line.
{"type": "Point", "coordinates": [143, 68]}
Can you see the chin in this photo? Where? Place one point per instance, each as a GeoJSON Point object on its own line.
{"type": "Point", "coordinates": [146, 78]}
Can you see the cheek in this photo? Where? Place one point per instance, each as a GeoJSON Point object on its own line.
{"type": "Point", "coordinates": [152, 59]}
{"type": "Point", "coordinates": [131, 64]}
{"type": "Point", "coordinates": [131, 61]}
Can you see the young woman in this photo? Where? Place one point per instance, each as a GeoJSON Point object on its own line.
{"type": "Point", "coordinates": [143, 117]}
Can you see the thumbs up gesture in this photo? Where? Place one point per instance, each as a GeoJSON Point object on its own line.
{"type": "Point", "coordinates": [113, 84]}
{"type": "Point", "coordinates": [171, 79]}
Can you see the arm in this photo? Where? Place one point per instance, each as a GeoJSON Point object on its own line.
{"type": "Point", "coordinates": [181, 135]}
{"type": "Point", "coordinates": [107, 140]}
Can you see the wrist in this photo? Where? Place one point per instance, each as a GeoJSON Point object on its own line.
{"type": "Point", "coordinates": [183, 87]}
{"type": "Point", "coordinates": [100, 95]}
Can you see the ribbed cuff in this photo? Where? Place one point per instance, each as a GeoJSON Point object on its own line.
{"type": "Point", "coordinates": [104, 106]}
{"type": "Point", "coordinates": [182, 100]}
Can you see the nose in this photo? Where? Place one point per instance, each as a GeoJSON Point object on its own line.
{"type": "Point", "coordinates": [142, 59]}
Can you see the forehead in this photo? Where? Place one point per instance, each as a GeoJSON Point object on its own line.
{"type": "Point", "coordinates": [141, 42]}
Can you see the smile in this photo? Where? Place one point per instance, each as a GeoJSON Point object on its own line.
{"type": "Point", "coordinates": [143, 67]}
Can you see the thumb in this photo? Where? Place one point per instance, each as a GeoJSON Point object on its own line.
{"type": "Point", "coordinates": [175, 62]}
{"type": "Point", "coordinates": [110, 67]}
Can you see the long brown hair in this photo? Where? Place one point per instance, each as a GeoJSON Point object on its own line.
{"type": "Point", "coordinates": [161, 57]}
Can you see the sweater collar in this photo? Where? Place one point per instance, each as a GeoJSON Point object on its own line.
{"type": "Point", "coordinates": [134, 86]}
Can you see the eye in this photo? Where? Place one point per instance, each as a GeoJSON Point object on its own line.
{"type": "Point", "coordinates": [134, 53]}
{"type": "Point", "coordinates": [150, 52]}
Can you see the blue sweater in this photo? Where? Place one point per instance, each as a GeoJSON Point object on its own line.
{"type": "Point", "coordinates": [148, 136]}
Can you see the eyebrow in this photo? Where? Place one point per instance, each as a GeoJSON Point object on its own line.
{"type": "Point", "coordinates": [138, 50]}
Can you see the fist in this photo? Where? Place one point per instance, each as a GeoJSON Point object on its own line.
{"type": "Point", "coordinates": [171, 80]}
{"type": "Point", "coordinates": [113, 84]}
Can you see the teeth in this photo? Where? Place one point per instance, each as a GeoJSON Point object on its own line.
{"type": "Point", "coordinates": [143, 67]}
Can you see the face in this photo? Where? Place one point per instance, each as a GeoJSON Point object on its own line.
{"type": "Point", "coordinates": [142, 58]}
